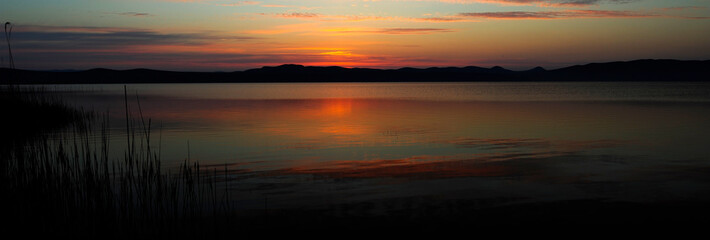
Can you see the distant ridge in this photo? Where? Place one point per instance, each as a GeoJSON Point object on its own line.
{"type": "Point", "coordinates": [638, 70]}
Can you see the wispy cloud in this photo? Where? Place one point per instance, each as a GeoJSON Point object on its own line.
{"type": "Point", "coordinates": [288, 6]}
{"type": "Point", "coordinates": [412, 30]}
{"type": "Point", "coordinates": [130, 14]}
{"type": "Point", "coordinates": [327, 18]}
{"type": "Point", "coordinates": [275, 6]}
{"type": "Point", "coordinates": [87, 47]}
{"type": "Point", "coordinates": [186, 0]}
{"type": "Point", "coordinates": [694, 17]}
{"type": "Point", "coordinates": [396, 31]}
{"type": "Point", "coordinates": [437, 19]}
{"type": "Point", "coordinates": [93, 37]}
{"type": "Point", "coordinates": [500, 2]}
{"type": "Point", "coordinates": [684, 12]}
{"type": "Point", "coordinates": [299, 15]}
{"type": "Point", "coordinates": [42, 47]}
{"type": "Point", "coordinates": [217, 3]}
{"type": "Point", "coordinates": [288, 28]}
{"type": "Point", "coordinates": [240, 3]}
{"type": "Point", "coordinates": [558, 14]}
{"type": "Point", "coordinates": [567, 3]}
{"type": "Point", "coordinates": [683, 8]}
{"type": "Point", "coordinates": [134, 14]}
{"type": "Point", "coordinates": [474, 16]}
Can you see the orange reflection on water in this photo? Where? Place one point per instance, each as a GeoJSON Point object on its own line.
{"type": "Point", "coordinates": [411, 167]}
{"type": "Point", "coordinates": [370, 122]}
{"type": "Point", "coordinates": [337, 107]}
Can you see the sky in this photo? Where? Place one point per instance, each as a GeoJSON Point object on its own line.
{"type": "Point", "coordinates": [229, 35]}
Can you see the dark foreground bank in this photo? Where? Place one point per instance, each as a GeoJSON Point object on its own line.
{"type": "Point", "coordinates": [591, 217]}
{"type": "Point", "coordinates": [427, 215]}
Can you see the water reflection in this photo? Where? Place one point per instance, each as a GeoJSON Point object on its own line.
{"type": "Point", "coordinates": [300, 142]}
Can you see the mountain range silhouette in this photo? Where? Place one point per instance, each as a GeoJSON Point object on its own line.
{"type": "Point", "coordinates": [637, 70]}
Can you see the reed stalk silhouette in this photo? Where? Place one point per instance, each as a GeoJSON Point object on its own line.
{"type": "Point", "coordinates": [65, 183]}
{"type": "Point", "coordinates": [8, 35]}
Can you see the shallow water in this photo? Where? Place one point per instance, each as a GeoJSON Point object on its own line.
{"type": "Point", "coordinates": [319, 144]}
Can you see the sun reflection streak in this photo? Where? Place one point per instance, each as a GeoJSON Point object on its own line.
{"type": "Point", "coordinates": [337, 107]}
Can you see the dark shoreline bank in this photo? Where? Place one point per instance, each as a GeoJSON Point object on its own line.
{"type": "Point", "coordinates": [465, 213]}
{"type": "Point", "coordinates": [590, 216]}
{"type": "Point", "coordinates": [638, 70]}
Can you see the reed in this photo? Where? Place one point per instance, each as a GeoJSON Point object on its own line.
{"type": "Point", "coordinates": [8, 36]}
{"type": "Point", "coordinates": [64, 182]}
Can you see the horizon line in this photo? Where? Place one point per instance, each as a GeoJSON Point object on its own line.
{"type": "Point", "coordinates": [335, 66]}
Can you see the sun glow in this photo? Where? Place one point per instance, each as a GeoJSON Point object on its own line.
{"type": "Point", "coordinates": [338, 53]}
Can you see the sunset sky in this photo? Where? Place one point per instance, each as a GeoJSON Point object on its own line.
{"type": "Point", "coordinates": [227, 35]}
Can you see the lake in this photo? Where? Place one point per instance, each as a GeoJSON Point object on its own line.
{"type": "Point", "coordinates": [314, 145]}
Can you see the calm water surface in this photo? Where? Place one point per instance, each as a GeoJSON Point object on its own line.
{"type": "Point", "coordinates": [316, 144]}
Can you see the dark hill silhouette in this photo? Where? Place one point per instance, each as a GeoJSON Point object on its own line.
{"type": "Point", "coordinates": [537, 69]}
{"type": "Point", "coordinates": [638, 70]}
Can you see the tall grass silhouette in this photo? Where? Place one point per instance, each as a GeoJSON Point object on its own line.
{"type": "Point", "coordinates": [65, 183]}
{"type": "Point", "coordinates": [8, 35]}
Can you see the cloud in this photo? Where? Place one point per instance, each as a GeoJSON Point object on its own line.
{"type": "Point", "coordinates": [542, 2]}
{"type": "Point", "coordinates": [215, 2]}
{"type": "Point", "coordinates": [396, 31]}
{"type": "Point", "coordinates": [298, 15]}
{"type": "Point", "coordinates": [567, 3]}
{"type": "Point", "coordinates": [77, 47]}
{"type": "Point", "coordinates": [412, 30]}
{"type": "Point", "coordinates": [436, 19]}
{"type": "Point", "coordinates": [185, 0]}
{"type": "Point", "coordinates": [135, 14]}
{"type": "Point", "coordinates": [84, 47]}
{"type": "Point", "coordinates": [683, 8]}
{"type": "Point", "coordinates": [674, 11]}
{"type": "Point", "coordinates": [240, 3]}
{"type": "Point", "coordinates": [558, 14]}
{"type": "Point", "coordinates": [694, 17]}
{"type": "Point", "coordinates": [98, 37]}
{"type": "Point", "coordinates": [288, 28]}
{"type": "Point", "coordinates": [67, 58]}
{"type": "Point", "coordinates": [473, 16]}
{"type": "Point", "coordinates": [288, 6]}
{"type": "Point", "coordinates": [327, 18]}
{"type": "Point", "coordinates": [469, 17]}
{"type": "Point", "coordinates": [275, 6]}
